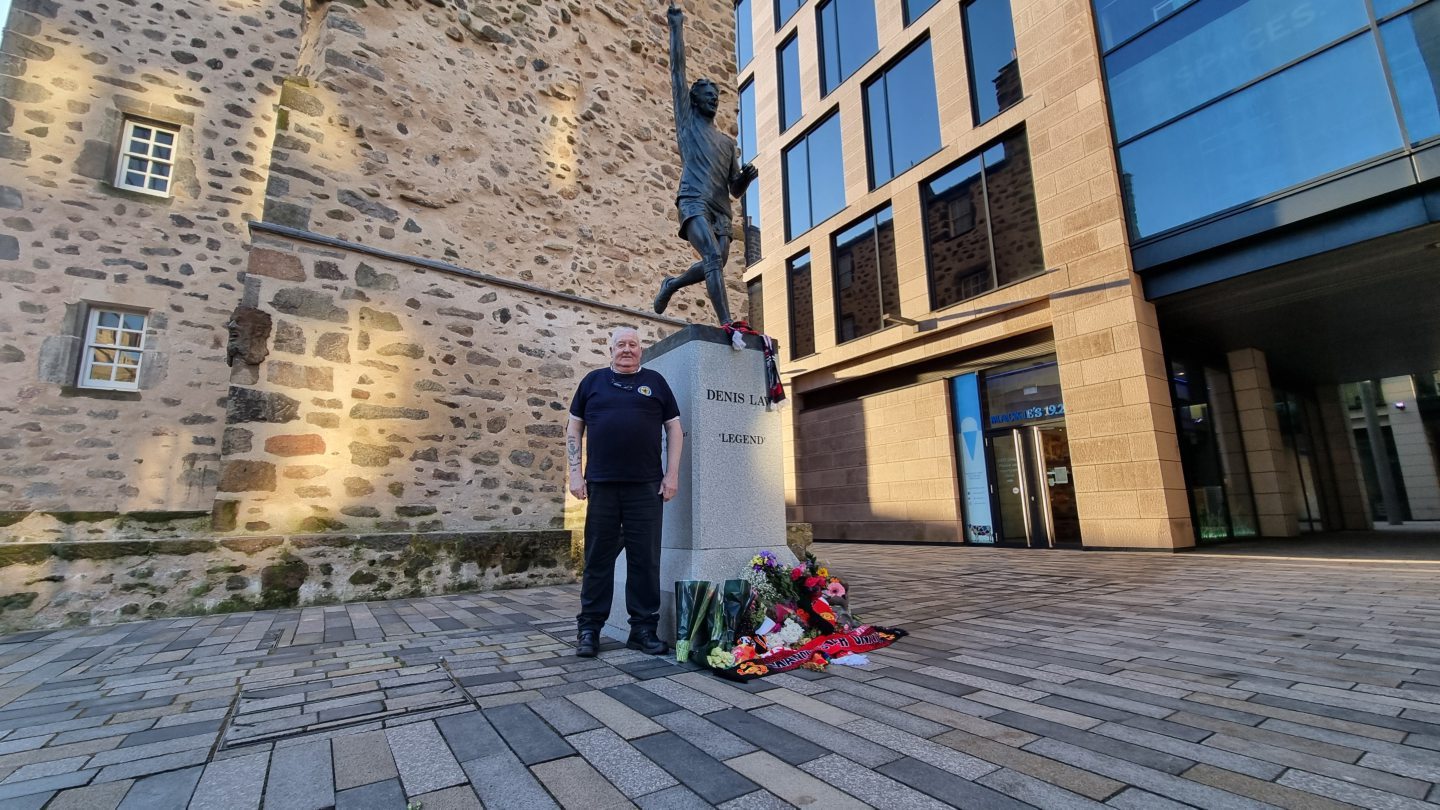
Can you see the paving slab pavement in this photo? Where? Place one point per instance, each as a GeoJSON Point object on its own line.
{"type": "Point", "coordinates": [1051, 679]}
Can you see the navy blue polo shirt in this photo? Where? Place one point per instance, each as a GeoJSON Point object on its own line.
{"type": "Point", "coordinates": [624, 415]}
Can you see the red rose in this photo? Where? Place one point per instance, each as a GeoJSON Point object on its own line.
{"type": "Point", "coordinates": [813, 582]}
{"type": "Point", "coordinates": [797, 572]}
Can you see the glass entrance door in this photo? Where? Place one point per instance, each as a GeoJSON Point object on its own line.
{"type": "Point", "coordinates": [1052, 451]}
{"type": "Point", "coordinates": [1034, 489]}
{"type": "Point", "coordinates": [1010, 488]}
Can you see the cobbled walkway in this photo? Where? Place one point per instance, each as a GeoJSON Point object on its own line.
{"type": "Point", "coordinates": [1049, 679]}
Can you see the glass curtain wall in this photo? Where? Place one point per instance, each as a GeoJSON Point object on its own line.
{"type": "Point", "coordinates": [1211, 452]}
{"type": "Point", "coordinates": [1298, 438]}
{"type": "Point", "coordinates": [1224, 103]}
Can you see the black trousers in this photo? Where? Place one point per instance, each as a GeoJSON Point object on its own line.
{"type": "Point", "coordinates": [622, 516]}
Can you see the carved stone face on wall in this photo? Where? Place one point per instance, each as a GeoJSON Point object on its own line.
{"type": "Point", "coordinates": [249, 339]}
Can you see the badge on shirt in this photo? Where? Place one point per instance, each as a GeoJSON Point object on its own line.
{"type": "Point", "coordinates": [644, 389]}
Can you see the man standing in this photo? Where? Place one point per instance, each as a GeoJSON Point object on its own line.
{"type": "Point", "coordinates": [623, 408]}
{"type": "Point", "coordinates": [710, 174]}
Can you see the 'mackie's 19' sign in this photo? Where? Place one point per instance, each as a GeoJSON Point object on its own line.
{"type": "Point", "coordinates": [737, 397]}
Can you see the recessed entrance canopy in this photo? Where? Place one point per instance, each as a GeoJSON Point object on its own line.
{"type": "Point", "coordinates": [1365, 311]}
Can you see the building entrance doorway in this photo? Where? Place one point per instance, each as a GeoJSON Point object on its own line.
{"type": "Point", "coordinates": [1034, 491]}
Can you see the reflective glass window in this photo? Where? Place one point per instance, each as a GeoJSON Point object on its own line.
{"type": "Point", "coordinates": [981, 230]}
{"type": "Point", "coordinates": [744, 36]}
{"type": "Point", "coordinates": [867, 285]}
{"type": "Point", "coordinates": [755, 293]}
{"type": "Point", "coordinates": [1119, 20]}
{"type": "Point", "coordinates": [784, 10]}
{"type": "Point", "coordinates": [901, 116]}
{"type": "Point", "coordinates": [847, 39]}
{"type": "Point", "coordinates": [1324, 114]}
{"type": "Point", "coordinates": [1384, 7]}
{"type": "Point", "coordinates": [1213, 47]}
{"type": "Point", "coordinates": [990, 54]}
{"type": "Point", "coordinates": [1412, 44]}
{"type": "Point", "coordinates": [814, 178]}
{"type": "Point", "coordinates": [915, 8]}
{"type": "Point", "coordinates": [750, 208]}
{"type": "Point", "coordinates": [789, 71]}
{"type": "Point", "coordinates": [748, 144]}
{"type": "Point", "coordinates": [802, 306]}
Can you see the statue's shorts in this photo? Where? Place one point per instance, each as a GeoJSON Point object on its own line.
{"type": "Point", "coordinates": [691, 207]}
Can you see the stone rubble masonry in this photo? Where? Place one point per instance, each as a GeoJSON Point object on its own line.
{"type": "Point", "coordinates": [526, 142]}
{"type": "Point", "coordinates": [72, 72]}
{"type": "Point", "coordinates": [537, 147]}
{"type": "Point", "coordinates": [48, 585]}
{"type": "Point", "coordinates": [453, 394]}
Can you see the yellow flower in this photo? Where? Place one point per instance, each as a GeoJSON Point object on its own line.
{"type": "Point", "coordinates": [823, 573]}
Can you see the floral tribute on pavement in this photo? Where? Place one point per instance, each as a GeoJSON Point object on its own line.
{"type": "Point", "coordinates": [775, 618]}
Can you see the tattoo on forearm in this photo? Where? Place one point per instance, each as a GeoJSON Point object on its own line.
{"type": "Point", "coordinates": [572, 451]}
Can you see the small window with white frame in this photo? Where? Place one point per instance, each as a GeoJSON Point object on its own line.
{"type": "Point", "coordinates": [147, 158]}
{"type": "Point", "coordinates": [114, 349]}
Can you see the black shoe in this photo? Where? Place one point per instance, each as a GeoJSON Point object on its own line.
{"type": "Point", "coordinates": [587, 644]}
{"type": "Point", "coordinates": [645, 641]}
{"type": "Point", "coordinates": [662, 298]}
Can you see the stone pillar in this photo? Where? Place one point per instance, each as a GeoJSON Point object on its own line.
{"type": "Point", "coordinates": [1344, 471]}
{"type": "Point", "coordinates": [1129, 484]}
{"type": "Point", "coordinates": [731, 503]}
{"type": "Point", "coordinates": [1264, 446]}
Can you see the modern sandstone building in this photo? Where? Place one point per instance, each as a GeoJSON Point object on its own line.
{"type": "Point", "coordinates": [1075, 273]}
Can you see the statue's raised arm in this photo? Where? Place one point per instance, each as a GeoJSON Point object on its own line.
{"type": "Point", "coordinates": [679, 89]}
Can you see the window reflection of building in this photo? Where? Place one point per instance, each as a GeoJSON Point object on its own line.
{"type": "Point", "coordinates": [980, 223]}
{"type": "Point", "coordinates": [990, 54]}
{"type": "Point", "coordinates": [867, 282]}
{"type": "Point", "coordinates": [802, 306]}
{"type": "Point", "coordinates": [755, 291]}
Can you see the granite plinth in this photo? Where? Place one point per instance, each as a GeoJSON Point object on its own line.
{"type": "Point", "coordinates": [731, 503]}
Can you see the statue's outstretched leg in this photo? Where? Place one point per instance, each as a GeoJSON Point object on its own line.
{"type": "Point", "coordinates": [715, 282]}
{"type": "Point", "coordinates": [672, 284]}
{"type": "Point", "coordinates": [700, 233]}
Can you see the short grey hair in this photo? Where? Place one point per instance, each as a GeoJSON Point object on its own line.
{"type": "Point", "coordinates": [620, 330]}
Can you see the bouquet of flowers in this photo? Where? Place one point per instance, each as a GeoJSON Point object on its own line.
{"type": "Point", "coordinates": [800, 616]}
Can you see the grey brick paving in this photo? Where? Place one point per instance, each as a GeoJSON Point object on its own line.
{"type": "Point", "coordinates": [423, 758]}
{"type": "Point", "coordinates": [171, 789]}
{"type": "Point", "coordinates": [232, 784]}
{"type": "Point", "coordinates": [1059, 680]}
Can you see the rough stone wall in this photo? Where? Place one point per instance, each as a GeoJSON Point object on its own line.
{"type": "Point", "coordinates": [70, 73]}
{"type": "Point", "coordinates": [398, 398]}
{"type": "Point", "coordinates": [529, 140]}
{"type": "Point", "coordinates": [44, 585]}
